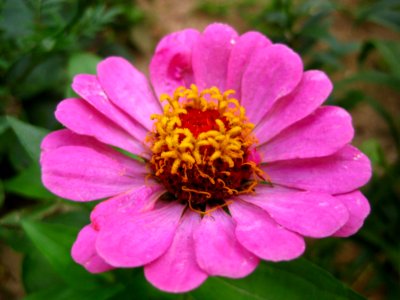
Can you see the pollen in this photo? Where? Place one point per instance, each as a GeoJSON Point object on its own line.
{"type": "Point", "coordinates": [201, 147]}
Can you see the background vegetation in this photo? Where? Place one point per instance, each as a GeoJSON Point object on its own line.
{"type": "Point", "coordinates": [43, 43]}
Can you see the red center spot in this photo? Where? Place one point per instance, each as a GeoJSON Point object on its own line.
{"type": "Point", "coordinates": [198, 121]}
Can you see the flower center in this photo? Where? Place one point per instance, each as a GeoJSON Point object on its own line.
{"type": "Point", "coordinates": [201, 148]}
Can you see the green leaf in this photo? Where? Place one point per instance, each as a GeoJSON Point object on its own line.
{"type": "Point", "coordinates": [54, 242]}
{"type": "Point", "coordinates": [15, 238]}
{"type": "Point", "coordinates": [29, 136]}
{"type": "Point", "coordinates": [136, 284]}
{"type": "Point", "coordinates": [37, 273]}
{"type": "Point", "coordinates": [45, 73]}
{"type": "Point", "coordinates": [16, 19]}
{"type": "Point", "coordinates": [390, 19]}
{"type": "Point", "coordinates": [390, 52]}
{"type": "Point", "coordinates": [14, 151]}
{"type": "Point", "coordinates": [73, 218]}
{"type": "Point", "coordinates": [1, 194]}
{"type": "Point", "coordinates": [81, 63]}
{"type": "Point", "coordinates": [50, 273]}
{"type": "Point", "coordinates": [63, 293]}
{"type": "Point", "coordinates": [37, 212]}
{"type": "Point", "coordinates": [384, 12]}
{"type": "Point", "coordinates": [293, 280]}
{"type": "Point", "coordinates": [373, 77]}
{"type": "Point", "coordinates": [3, 124]}
{"type": "Point", "coordinates": [387, 116]}
{"type": "Point", "coordinates": [28, 184]}
{"type": "Point", "coordinates": [374, 151]}
{"type": "Point", "coordinates": [129, 154]}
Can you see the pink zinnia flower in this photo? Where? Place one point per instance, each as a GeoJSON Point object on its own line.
{"type": "Point", "coordinates": [237, 159]}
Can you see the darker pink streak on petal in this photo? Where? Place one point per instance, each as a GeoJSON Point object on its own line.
{"type": "Point", "coordinates": [131, 203]}
{"type": "Point", "coordinates": [82, 169]}
{"type": "Point", "coordinates": [211, 56]}
{"type": "Point", "coordinates": [313, 89]}
{"type": "Point", "coordinates": [84, 253]}
{"type": "Point", "coordinates": [132, 241]}
{"type": "Point", "coordinates": [342, 172]}
{"type": "Point", "coordinates": [176, 271]}
{"type": "Point", "coordinates": [89, 88]}
{"type": "Point", "coordinates": [359, 209]}
{"type": "Point", "coordinates": [171, 65]}
{"type": "Point", "coordinates": [273, 72]}
{"type": "Point", "coordinates": [240, 56]}
{"type": "Point", "coordinates": [82, 118]}
{"type": "Point", "coordinates": [218, 251]}
{"type": "Point", "coordinates": [308, 213]}
{"type": "Point", "coordinates": [322, 133]}
{"type": "Point", "coordinates": [128, 89]}
{"type": "Point", "coordinates": [261, 235]}
{"type": "Point", "coordinates": [66, 137]}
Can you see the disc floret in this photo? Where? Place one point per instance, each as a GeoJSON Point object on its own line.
{"type": "Point", "coordinates": [200, 147]}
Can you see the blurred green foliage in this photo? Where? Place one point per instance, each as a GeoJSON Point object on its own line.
{"type": "Point", "coordinates": [44, 43]}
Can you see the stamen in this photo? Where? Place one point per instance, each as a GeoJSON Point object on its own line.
{"type": "Point", "coordinates": [208, 195]}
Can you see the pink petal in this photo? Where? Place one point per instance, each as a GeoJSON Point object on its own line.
{"type": "Point", "coordinates": [261, 235]}
{"type": "Point", "coordinates": [80, 117]}
{"type": "Point", "coordinates": [128, 88]}
{"type": "Point", "coordinates": [83, 251]}
{"type": "Point", "coordinates": [133, 202]}
{"type": "Point", "coordinates": [240, 56]}
{"type": "Point", "coordinates": [82, 169]}
{"type": "Point", "coordinates": [359, 209]}
{"type": "Point", "coordinates": [132, 241]}
{"type": "Point", "coordinates": [211, 56]}
{"type": "Point", "coordinates": [273, 72]}
{"type": "Point", "coordinates": [89, 88]}
{"type": "Point", "coordinates": [177, 271]}
{"type": "Point", "coordinates": [322, 133]}
{"type": "Point", "coordinates": [171, 65]}
{"type": "Point", "coordinates": [342, 172]}
{"type": "Point", "coordinates": [308, 213]}
{"type": "Point", "coordinates": [311, 92]}
{"type": "Point", "coordinates": [217, 250]}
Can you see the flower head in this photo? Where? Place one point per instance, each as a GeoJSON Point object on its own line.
{"type": "Point", "coordinates": [237, 160]}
